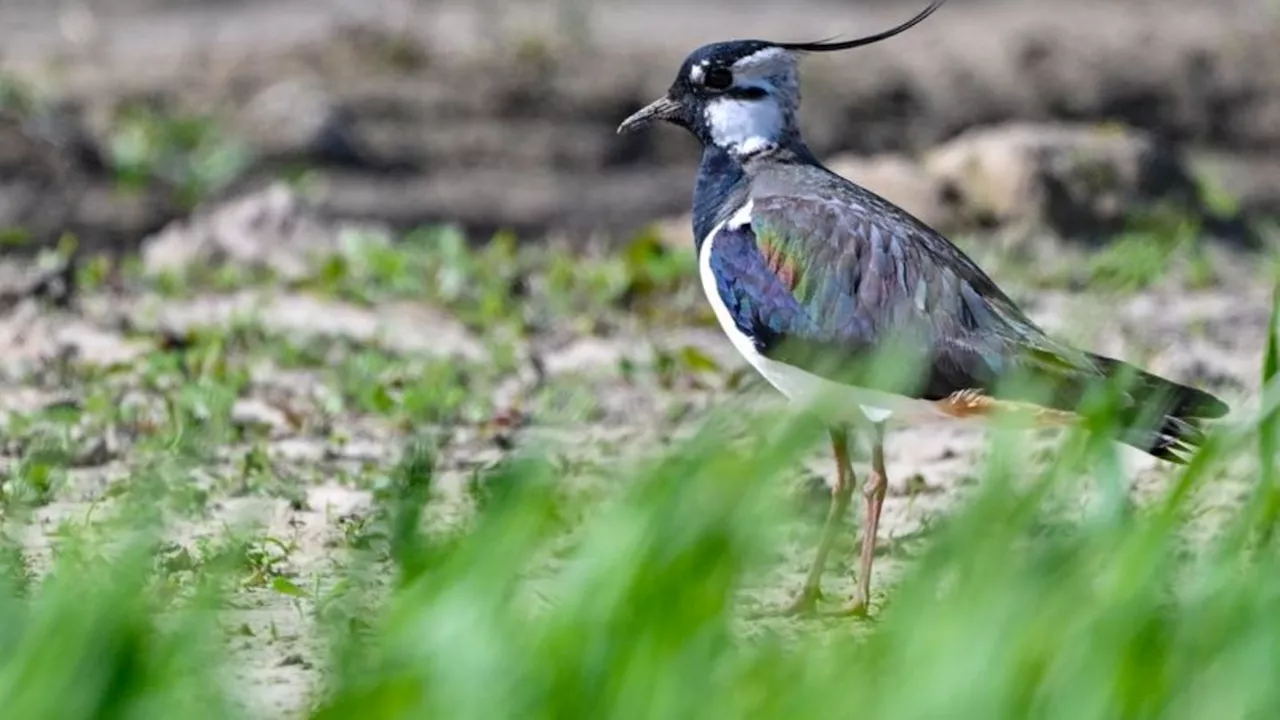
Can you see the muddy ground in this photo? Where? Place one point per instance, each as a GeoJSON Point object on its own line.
{"type": "Point", "coordinates": [501, 115]}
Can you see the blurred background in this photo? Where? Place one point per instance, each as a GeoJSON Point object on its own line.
{"type": "Point", "coordinates": [501, 114]}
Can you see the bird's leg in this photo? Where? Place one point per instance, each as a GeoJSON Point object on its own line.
{"type": "Point", "coordinates": [873, 493]}
{"type": "Point", "coordinates": [841, 493]}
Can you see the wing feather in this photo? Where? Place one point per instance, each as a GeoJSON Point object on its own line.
{"type": "Point", "coordinates": [821, 284]}
{"type": "Point", "coordinates": [825, 274]}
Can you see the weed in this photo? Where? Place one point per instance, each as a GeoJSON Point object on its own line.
{"type": "Point", "coordinates": [189, 153]}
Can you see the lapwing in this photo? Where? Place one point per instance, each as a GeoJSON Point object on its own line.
{"type": "Point", "coordinates": [811, 275]}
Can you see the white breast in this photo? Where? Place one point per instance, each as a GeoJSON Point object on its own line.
{"type": "Point", "coordinates": [849, 403]}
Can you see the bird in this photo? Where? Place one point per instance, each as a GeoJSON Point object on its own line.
{"type": "Point", "coordinates": [812, 277]}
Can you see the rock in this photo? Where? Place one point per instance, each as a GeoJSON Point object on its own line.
{"type": "Point", "coordinates": [90, 345]}
{"type": "Point", "coordinates": [360, 451]}
{"type": "Point", "coordinates": [55, 179]}
{"type": "Point", "coordinates": [587, 354]}
{"type": "Point", "coordinates": [19, 399]}
{"type": "Point", "coordinates": [31, 339]}
{"type": "Point", "coordinates": [272, 229]}
{"type": "Point", "coordinates": [255, 414]}
{"type": "Point", "coordinates": [1078, 182]}
{"type": "Point", "coordinates": [298, 450]}
{"type": "Point", "coordinates": [296, 120]}
{"type": "Point", "coordinates": [402, 327]}
{"type": "Point", "coordinates": [336, 500]}
{"type": "Point", "coordinates": [95, 452]}
{"type": "Point", "coordinates": [44, 277]}
{"type": "Point", "coordinates": [286, 118]}
{"type": "Point", "coordinates": [1250, 181]}
{"type": "Point", "coordinates": [412, 327]}
{"type": "Point", "coordinates": [38, 187]}
{"type": "Point", "coordinates": [902, 181]}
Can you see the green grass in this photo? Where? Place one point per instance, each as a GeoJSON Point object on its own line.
{"type": "Point", "coordinates": [189, 153]}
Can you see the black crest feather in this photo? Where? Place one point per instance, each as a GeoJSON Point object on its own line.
{"type": "Point", "coordinates": [829, 46]}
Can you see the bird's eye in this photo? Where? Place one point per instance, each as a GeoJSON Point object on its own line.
{"type": "Point", "coordinates": [718, 79]}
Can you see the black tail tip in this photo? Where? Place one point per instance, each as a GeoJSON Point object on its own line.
{"type": "Point", "coordinates": [1176, 440]}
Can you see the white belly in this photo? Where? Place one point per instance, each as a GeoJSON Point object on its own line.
{"type": "Point", "coordinates": [836, 400]}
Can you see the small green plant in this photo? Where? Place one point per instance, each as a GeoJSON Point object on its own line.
{"type": "Point", "coordinates": [15, 95]}
{"type": "Point", "coordinates": [15, 237]}
{"type": "Point", "coordinates": [1146, 252]}
{"type": "Point", "coordinates": [1269, 429]}
{"type": "Point", "coordinates": [411, 391]}
{"type": "Point", "coordinates": [1131, 262]}
{"type": "Point", "coordinates": [187, 152]}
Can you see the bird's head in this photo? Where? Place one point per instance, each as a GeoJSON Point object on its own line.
{"type": "Point", "coordinates": [743, 95]}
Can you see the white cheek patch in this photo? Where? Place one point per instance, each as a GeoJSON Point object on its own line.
{"type": "Point", "coordinates": [745, 126]}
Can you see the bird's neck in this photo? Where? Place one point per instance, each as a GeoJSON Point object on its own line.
{"type": "Point", "coordinates": [721, 186]}
{"type": "Point", "coordinates": [721, 176]}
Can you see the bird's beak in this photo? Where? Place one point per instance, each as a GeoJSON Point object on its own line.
{"type": "Point", "coordinates": [663, 108]}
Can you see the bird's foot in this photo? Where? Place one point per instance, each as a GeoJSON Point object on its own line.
{"type": "Point", "coordinates": [858, 608]}
{"type": "Point", "coordinates": [804, 604]}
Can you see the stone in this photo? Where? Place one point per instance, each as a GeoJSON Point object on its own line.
{"type": "Point", "coordinates": [31, 339]}
{"type": "Point", "coordinates": [286, 117]}
{"type": "Point", "coordinates": [402, 327]}
{"type": "Point", "coordinates": [273, 229]}
{"type": "Point", "coordinates": [1074, 181]}
{"type": "Point", "coordinates": [257, 414]}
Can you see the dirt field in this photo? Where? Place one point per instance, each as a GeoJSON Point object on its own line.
{"type": "Point", "coordinates": [307, 374]}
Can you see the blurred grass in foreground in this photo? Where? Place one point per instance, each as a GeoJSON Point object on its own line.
{"type": "Point", "coordinates": [547, 607]}
{"type": "Point", "coordinates": [1009, 614]}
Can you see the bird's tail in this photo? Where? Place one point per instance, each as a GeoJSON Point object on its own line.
{"type": "Point", "coordinates": [1166, 417]}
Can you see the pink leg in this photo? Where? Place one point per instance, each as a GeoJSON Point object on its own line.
{"type": "Point", "coordinates": [873, 494]}
{"type": "Point", "coordinates": [841, 494]}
